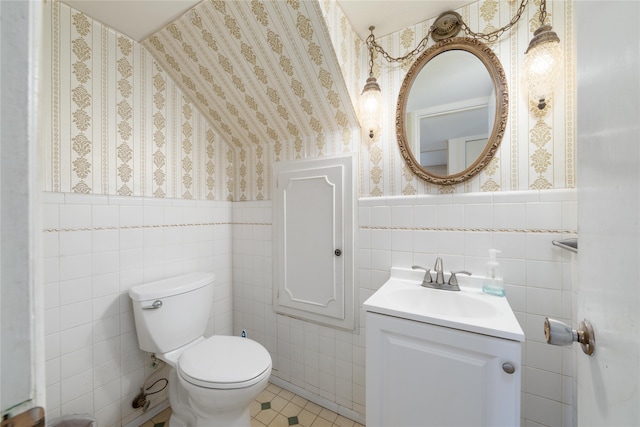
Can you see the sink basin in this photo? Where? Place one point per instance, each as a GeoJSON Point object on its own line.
{"type": "Point", "coordinates": [443, 303]}
{"type": "Point", "coordinates": [468, 309]}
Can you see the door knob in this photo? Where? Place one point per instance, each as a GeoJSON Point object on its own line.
{"type": "Point", "coordinates": [559, 333]}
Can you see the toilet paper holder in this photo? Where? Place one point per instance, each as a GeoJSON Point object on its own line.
{"type": "Point", "coordinates": [559, 333]}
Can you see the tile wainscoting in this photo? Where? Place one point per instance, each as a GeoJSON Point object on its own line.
{"type": "Point", "coordinates": [95, 248]}
{"type": "Point", "coordinates": [404, 231]}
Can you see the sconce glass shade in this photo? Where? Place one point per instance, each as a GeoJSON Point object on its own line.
{"type": "Point", "coordinates": [371, 105]}
{"type": "Point", "coordinates": [543, 62]}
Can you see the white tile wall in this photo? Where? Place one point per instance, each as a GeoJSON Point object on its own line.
{"type": "Point", "coordinates": [95, 249]}
{"type": "Point", "coordinates": [403, 231]}
{"type": "Point", "coordinates": [93, 362]}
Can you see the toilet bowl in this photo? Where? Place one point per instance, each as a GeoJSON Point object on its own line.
{"type": "Point", "coordinates": [221, 376]}
{"type": "Point", "coordinates": [212, 380]}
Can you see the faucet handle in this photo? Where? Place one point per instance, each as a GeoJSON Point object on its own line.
{"type": "Point", "coordinates": [453, 280]}
{"type": "Point", "coordinates": [427, 275]}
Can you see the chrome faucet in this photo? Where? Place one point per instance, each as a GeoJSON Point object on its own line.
{"type": "Point", "coordinates": [438, 269]}
{"type": "Point", "coordinates": [428, 282]}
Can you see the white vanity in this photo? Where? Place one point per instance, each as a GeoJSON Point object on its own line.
{"type": "Point", "coordinates": [441, 358]}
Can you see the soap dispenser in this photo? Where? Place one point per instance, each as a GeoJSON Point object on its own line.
{"type": "Point", "coordinates": [493, 283]}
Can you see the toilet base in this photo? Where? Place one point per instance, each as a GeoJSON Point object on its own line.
{"type": "Point", "coordinates": [181, 414]}
{"type": "Point", "coordinates": [228, 419]}
{"type": "Point", "coordinates": [175, 421]}
{"type": "Point", "coordinates": [242, 419]}
{"type": "Point", "coordinates": [194, 406]}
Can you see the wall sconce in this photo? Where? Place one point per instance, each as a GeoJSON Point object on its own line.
{"type": "Point", "coordinates": [542, 64]}
{"type": "Point", "coordinates": [542, 61]}
{"type": "Point", "coordinates": [371, 97]}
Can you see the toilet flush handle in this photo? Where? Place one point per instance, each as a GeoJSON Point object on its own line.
{"type": "Point", "coordinates": [156, 305]}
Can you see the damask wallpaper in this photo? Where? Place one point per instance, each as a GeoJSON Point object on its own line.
{"type": "Point", "coordinates": [119, 125]}
{"type": "Point", "coordinates": [204, 107]}
{"type": "Point", "coordinates": [538, 149]}
{"type": "Point", "coordinates": [264, 73]}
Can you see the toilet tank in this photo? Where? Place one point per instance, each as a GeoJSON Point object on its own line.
{"type": "Point", "coordinates": [170, 313]}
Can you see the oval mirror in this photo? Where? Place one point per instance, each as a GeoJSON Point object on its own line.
{"type": "Point", "coordinates": [452, 111]}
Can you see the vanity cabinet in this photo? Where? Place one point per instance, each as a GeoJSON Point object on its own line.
{"type": "Point", "coordinates": [419, 374]}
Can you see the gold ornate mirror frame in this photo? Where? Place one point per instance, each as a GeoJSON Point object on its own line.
{"type": "Point", "coordinates": [492, 63]}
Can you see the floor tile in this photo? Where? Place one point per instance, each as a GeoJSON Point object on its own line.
{"type": "Point", "coordinates": [254, 408]}
{"type": "Point", "coordinates": [278, 403]}
{"type": "Point", "coordinates": [279, 421]}
{"type": "Point", "coordinates": [266, 396]}
{"type": "Point", "coordinates": [162, 416]}
{"type": "Point", "coordinates": [293, 420]}
{"type": "Point", "coordinates": [277, 407]}
{"type": "Point", "coordinates": [328, 415]}
{"type": "Point", "coordinates": [266, 416]}
{"type": "Point", "coordinates": [313, 408]}
{"type": "Point", "coordinates": [343, 422]}
{"type": "Point", "coordinates": [300, 401]}
{"type": "Point", "coordinates": [321, 422]}
{"type": "Point", "coordinates": [286, 394]}
{"type": "Point", "coordinates": [306, 418]}
{"type": "Point", "coordinates": [290, 410]}
{"type": "Point", "coordinates": [274, 388]}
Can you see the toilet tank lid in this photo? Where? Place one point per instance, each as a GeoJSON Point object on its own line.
{"type": "Point", "coordinates": [171, 286]}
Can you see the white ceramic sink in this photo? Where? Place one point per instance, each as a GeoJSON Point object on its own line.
{"type": "Point", "coordinates": [444, 303]}
{"type": "Point", "coordinates": [468, 309]}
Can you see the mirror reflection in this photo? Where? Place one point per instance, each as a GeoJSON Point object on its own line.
{"type": "Point", "coordinates": [452, 111]}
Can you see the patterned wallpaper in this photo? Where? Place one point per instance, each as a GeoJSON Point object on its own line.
{"type": "Point", "coordinates": [265, 75]}
{"type": "Point", "coordinates": [119, 125]}
{"type": "Point", "coordinates": [538, 149]}
{"type": "Point", "coordinates": [204, 107]}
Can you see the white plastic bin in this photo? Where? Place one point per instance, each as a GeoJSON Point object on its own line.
{"type": "Point", "coordinates": [74, 420]}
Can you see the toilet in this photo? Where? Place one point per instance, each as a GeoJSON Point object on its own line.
{"type": "Point", "coordinates": [212, 380]}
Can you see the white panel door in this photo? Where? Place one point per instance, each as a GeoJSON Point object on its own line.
{"type": "Point", "coordinates": [609, 213]}
{"type": "Point", "coordinates": [312, 229]}
{"type": "Point", "coordinates": [313, 241]}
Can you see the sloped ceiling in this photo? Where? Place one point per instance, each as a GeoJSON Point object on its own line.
{"type": "Point", "coordinates": [262, 73]}
{"type": "Point", "coordinates": [139, 19]}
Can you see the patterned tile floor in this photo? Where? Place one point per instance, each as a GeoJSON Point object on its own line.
{"type": "Point", "coordinates": [277, 407]}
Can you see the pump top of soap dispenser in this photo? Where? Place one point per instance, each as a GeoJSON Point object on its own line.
{"type": "Point", "coordinates": [493, 284]}
{"type": "Point", "coordinates": [492, 255]}
{"type": "Point", "coordinates": [493, 268]}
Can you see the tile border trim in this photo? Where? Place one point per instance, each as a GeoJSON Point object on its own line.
{"type": "Point", "coordinates": [131, 227]}
{"type": "Point", "coordinates": [463, 229]}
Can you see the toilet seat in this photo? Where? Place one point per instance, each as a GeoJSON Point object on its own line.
{"type": "Point", "coordinates": [225, 362]}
